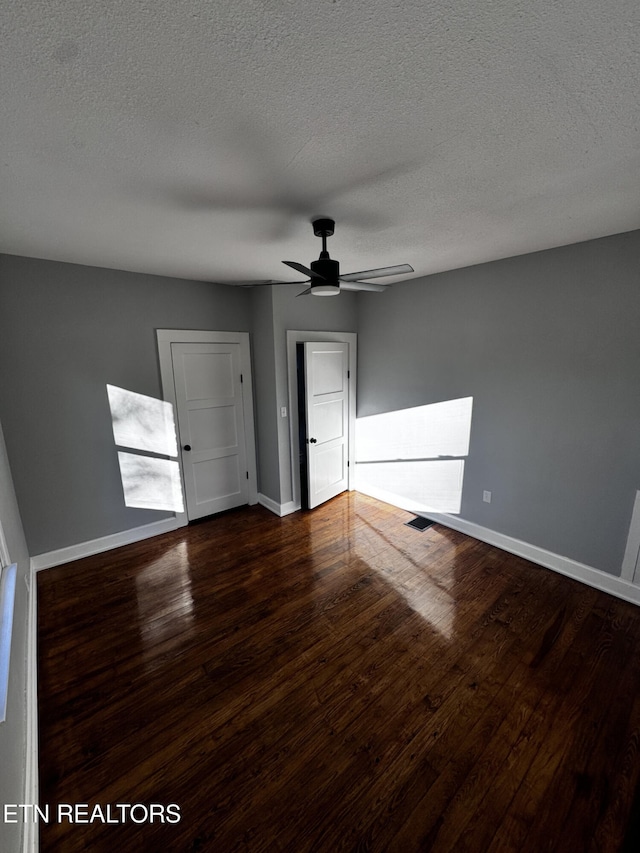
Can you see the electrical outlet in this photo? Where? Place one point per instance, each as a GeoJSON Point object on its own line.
{"type": "Point", "coordinates": [486, 497]}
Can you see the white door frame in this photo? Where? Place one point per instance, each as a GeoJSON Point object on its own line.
{"type": "Point", "coordinates": [166, 337]}
{"type": "Point", "coordinates": [631, 563]}
{"type": "Point", "coordinates": [293, 338]}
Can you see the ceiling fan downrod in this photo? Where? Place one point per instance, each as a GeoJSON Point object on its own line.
{"type": "Point", "coordinates": [324, 228]}
{"type": "Point", "coordinates": [325, 266]}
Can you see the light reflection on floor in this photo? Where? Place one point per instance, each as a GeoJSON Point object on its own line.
{"type": "Point", "coordinates": [423, 593]}
{"type": "Point", "coordinates": [427, 593]}
{"type": "Point", "coordinates": [165, 602]}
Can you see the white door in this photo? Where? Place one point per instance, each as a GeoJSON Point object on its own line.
{"type": "Point", "coordinates": [209, 405]}
{"type": "Point", "coordinates": [327, 419]}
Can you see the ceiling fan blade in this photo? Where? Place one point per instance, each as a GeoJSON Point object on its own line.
{"type": "Point", "coordinates": [251, 283]}
{"type": "Point", "coordinates": [304, 292]}
{"type": "Point", "coordinates": [378, 273]}
{"type": "Point", "coordinates": [363, 285]}
{"type": "Point", "coordinates": [274, 283]}
{"type": "Point", "coordinates": [264, 283]}
{"type": "Point", "coordinates": [303, 281]}
{"type": "Point", "coordinates": [304, 270]}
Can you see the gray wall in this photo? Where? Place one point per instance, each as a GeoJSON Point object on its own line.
{"type": "Point", "coordinates": [13, 730]}
{"type": "Point", "coordinates": [65, 332]}
{"type": "Point", "coordinates": [264, 376]}
{"type": "Point", "coordinates": [548, 346]}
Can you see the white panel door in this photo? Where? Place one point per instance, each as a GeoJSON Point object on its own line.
{"type": "Point", "coordinates": [327, 416]}
{"type": "Point", "coordinates": [209, 407]}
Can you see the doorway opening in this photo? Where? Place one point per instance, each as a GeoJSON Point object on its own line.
{"type": "Point", "coordinates": [302, 428]}
{"type": "Point", "coordinates": [297, 434]}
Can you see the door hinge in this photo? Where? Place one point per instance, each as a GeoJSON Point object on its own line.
{"type": "Point", "coordinates": [247, 475]}
{"type": "Point", "coordinates": [348, 374]}
{"type": "Point", "coordinates": [348, 463]}
{"type": "Point", "coordinates": [241, 379]}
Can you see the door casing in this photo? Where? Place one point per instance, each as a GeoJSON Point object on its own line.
{"type": "Point", "coordinates": [166, 337]}
{"type": "Point", "coordinates": [325, 365]}
{"type": "Point", "coordinates": [631, 562]}
{"type": "Point", "coordinates": [294, 337]}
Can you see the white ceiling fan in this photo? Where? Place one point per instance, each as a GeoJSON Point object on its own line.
{"type": "Point", "coordinates": [324, 277]}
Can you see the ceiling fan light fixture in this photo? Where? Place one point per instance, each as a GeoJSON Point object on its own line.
{"type": "Point", "coordinates": [325, 289]}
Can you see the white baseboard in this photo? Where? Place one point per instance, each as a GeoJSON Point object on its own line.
{"type": "Point", "coordinates": [30, 841]}
{"type": "Point", "coordinates": [276, 508]}
{"type": "Point", "coordinates": [603, 581]}
{"type": "Point", "coordinates": [563, 565]}
{"type": "Point", "coordinates": [104, 543]}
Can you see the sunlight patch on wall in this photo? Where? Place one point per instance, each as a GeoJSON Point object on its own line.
{"type": "Point", "coordinates": [412, 458]}
{"type": "Point", "coordinates": [417, 486]}
{"type": "Point", "coordinates": [146, 424]}
{"type": "Point", "coordinates": [150, 483]}
{"type": "Point", "coordinates": [141, 422]}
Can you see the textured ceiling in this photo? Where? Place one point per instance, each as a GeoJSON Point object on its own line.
{"type": "Point", "coordinates": [196, 138]}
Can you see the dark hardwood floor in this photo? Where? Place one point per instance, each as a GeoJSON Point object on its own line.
{"type": "Point", "coordinates": [334, 680]}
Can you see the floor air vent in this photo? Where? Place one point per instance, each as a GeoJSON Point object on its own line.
{"type": "Point", "coordinates": [419, 523]}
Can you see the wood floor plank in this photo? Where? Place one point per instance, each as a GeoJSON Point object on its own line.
{"type": "Point", "coordinates": [334, 680]}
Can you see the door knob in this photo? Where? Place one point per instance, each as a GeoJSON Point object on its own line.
{"type": "Point", "coordinates": [313, 441]}
{"type": "Point", "coordinates": [187, 447]}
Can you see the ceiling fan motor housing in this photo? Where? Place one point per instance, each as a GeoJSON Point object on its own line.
{"type": "Point", "coordinates": [323, 227]}
{"type": "Point", "coordinates": [328, 269]}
